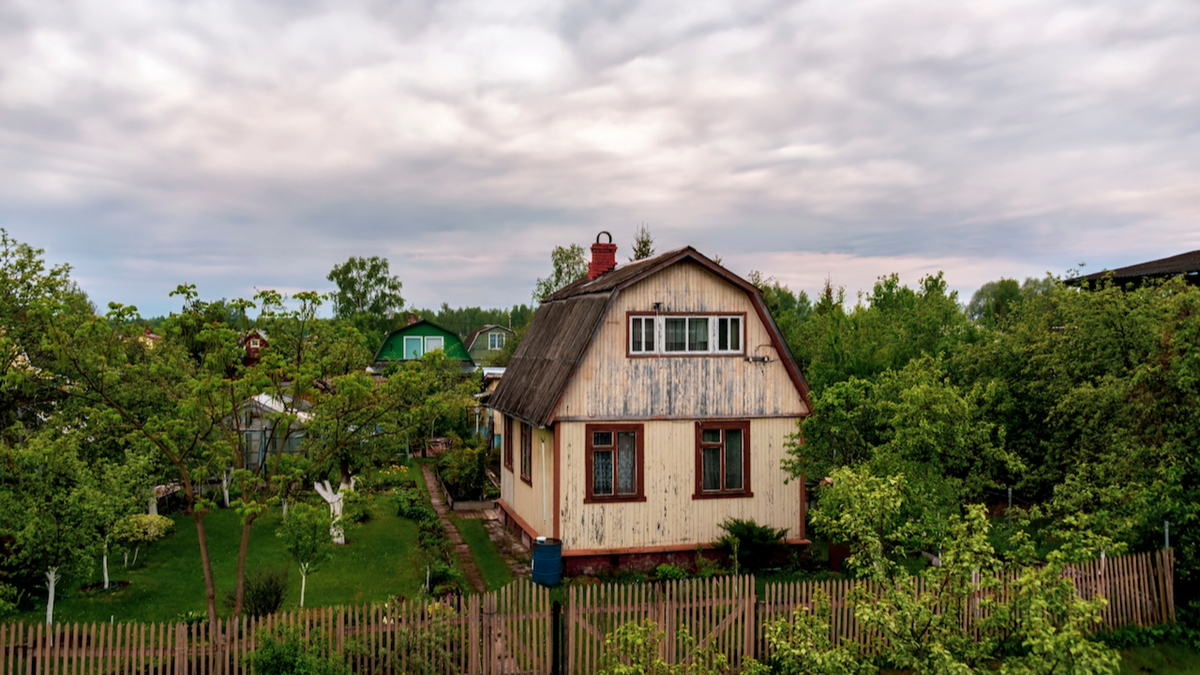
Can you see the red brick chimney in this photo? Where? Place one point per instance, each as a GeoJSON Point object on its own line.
{"type": "Point", "coordinates": [413, 318]}
{"type": "Point", "coordinates": [604, 257]}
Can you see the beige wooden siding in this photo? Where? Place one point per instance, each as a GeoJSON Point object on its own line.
{"type": "Point", "coordinates": [610, 385]}
{"type": "Point", "coordinates": [670, 516]}
{"type": "Point", "coordinates": [527, 499]}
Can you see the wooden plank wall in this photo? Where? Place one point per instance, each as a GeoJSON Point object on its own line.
{"type": "Point", "coordinates": [510, 630]}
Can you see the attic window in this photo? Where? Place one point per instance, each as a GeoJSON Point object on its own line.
{"type": "Point", "coordinates": [432, 343]}
{"type": "Point", "coordinates": [254, 344]}
{"type": "Point", "coordinates": [686, 335]}
{"type": "Point", "coordinates": [495, 340]}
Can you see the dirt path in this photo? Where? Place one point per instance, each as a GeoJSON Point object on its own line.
{"type": "Point", "coordinates": [465, 561]}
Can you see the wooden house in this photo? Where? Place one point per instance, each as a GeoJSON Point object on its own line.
{"type": "Point", "coordinates": [253, 344]}
{"type": "Point", "coordinates": [485, 343]}
{"type": "Point", "coordinates": [418, 338]}
{"type": "Point", "coordinates": [645, 405]}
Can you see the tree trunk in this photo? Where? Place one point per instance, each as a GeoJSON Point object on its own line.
{"type": "Point", "coordinates": [335, 501]}
{"type": "Point", "coordinates": [51, 582]}
{"type": "Point", "coordinates": [210, 590]}
{"type": "Point", "coordinates": [303, 582]}
{"type": "Point", "coordinates": [225, 487]}
{"type": "Point", "coordinates": [152, 506]}
{"type": "Point", "coordinates": [241, 567]}
{"type": "Point", "coordinates": [347, 479]}
{"type": "Point", "coordinates": [104, 562]}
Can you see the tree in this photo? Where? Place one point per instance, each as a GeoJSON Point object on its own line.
{"type": "Point", "coordinates": [365, 289]}
{"type": "Point", "coordinates": [51, 510]}
{"type": "Point", "coordinates": [305, 534]}
{"type": "Point", "coordinates": [643, 244]}
{"type": "Point", "coordinates": [569, 267]}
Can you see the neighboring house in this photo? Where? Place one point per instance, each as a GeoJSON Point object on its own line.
{"type": "Point", "coordinates": [1186, 265]}
{"type": "Point", "coordinates": [253, 344]}
{"type": "Point", "coordinates": [644, 406]}
{"type": "Point", "coordinates": [485, 343]}
{"type": "Point", "coordinates": [418, 338]}
{"type": "Point", "coordinates": [260, 416]}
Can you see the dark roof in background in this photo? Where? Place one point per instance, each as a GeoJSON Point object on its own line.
{"type": "Point", "coordinates": [1184, 263]}
{"type": "Point", "coordinates": [563, 327]}
{"type": "Point", "coordinates": [469, 341]}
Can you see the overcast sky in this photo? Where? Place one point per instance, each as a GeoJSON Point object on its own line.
{"type": "Point", "coordinates": [242, 144]}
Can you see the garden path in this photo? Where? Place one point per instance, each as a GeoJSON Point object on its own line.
{"type": "Point", "coordinates": [465, 561]}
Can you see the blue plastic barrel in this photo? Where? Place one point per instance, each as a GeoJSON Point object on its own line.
{"type": "Point", "coordinates": [547, 561]}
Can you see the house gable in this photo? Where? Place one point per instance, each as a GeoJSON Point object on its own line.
{"type": "Point", "coordinates": [393, 347]}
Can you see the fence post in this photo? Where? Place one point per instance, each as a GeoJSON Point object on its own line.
{"type": "Point", "coordinates": [181, 648]}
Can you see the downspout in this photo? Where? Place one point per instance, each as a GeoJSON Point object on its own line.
{"type": "Point", "coordinates": [543, 437]}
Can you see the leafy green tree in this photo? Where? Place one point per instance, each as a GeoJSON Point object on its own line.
{"type": "Point", "coordinates": [569, 267]}
{"type": "Point", "coordinates": [365, 286]}
{"type": "Point", "coordinates": [801, 646]}
{"type": "Point", "coordinates": [305, 534]}
{"type": "Point", "coordinates": [121, 492]}
{"type": "Point", "coordinates": [643, 244]}
{"type": "Point", "coordinates": [286, 651]}
{"type": "Point", "coordinates": [139, 530]}
{"type": "Point", "coordinates": [51, 510]}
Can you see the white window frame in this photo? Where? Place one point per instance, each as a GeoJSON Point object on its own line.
{"type": "Point", "coordinates": [495, 341]}
{"type": "Point", "coordinates": [419, 341]}
{"type": "Point", "coordinates": [660, 334]}
{"type": "Point", "coordinates": [431, 340]}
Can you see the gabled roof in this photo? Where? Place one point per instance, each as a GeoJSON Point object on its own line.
{"type": "Point", "coordinates": [567, 320]}
{"type": "Point", "coordinates": [453, 345]}
{"type": "Point", "coordinates": [1186, 264]}
{"type": "Point", "coordinates": [470, 339]}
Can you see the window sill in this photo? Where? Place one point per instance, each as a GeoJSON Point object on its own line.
{"type": "Point", "coordinates": [722, 495]}
{"type": "Point", "coordinates": [613, 500]}
{"type": "Point", "coordinates": [528, 481]}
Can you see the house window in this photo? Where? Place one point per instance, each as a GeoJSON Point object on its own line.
{"type": "Point", "coordinates": [495, 340]}
{"type": "Point", "coordinates": [614, 459]}
{"type": "Point", "coordinates": [722, 459]}
{"type": "Point", "coordinates": [254, 344]}
{"type": "Point", "coordinates": [527, 453]}
{"type": "Point", "coordinates": [641, 335]}
{"type": "Point", "coordinates": [690, 334]}
{"type": "Point", "coordinates": [412, 347]}
{"type": "Point", "coordinates": [508, 442]}
{"type": "Point", "coordinates": [432, 343]}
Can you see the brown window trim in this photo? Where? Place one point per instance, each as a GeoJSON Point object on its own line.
{"type": "Point", "coordinates": [629, 353]}
{"type": "Point", "coordinates": [526, 452]}
{"type": "Point", "coordinates": [745, 491]}
{"type": "Point", "coordinates": [508, 443]}
{"type": "Point", "coordinates": [640, 434]}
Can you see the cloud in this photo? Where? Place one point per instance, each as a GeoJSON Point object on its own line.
{"type": "Point", "coordinates": [244, 144]}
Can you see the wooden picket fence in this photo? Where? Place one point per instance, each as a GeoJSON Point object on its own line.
{"type": "Point", "coordinates": [518, 630]}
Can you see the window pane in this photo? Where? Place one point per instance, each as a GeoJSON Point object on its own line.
{"type": "Point", "coordinates": [602, 472]}
{"type": "Point", "coordinates": [710, 436]}
{"type": "Point", "coordinates": [712, 468]}
{"type": "Point", "coordinates": [735, 334]}
{"type": "Point", "coordinates": [698, 335]}
{"type": "Point", "coordinates": [626, 463]}
{"type": "Point", "coordinates": [648, 334]}
{"type": "Point", "coordinates": [412, 348]}
{"type": "Point", "coordinates": [676, 338]}
{"type": "Point", "coordinates": [722, 334]}
{"type": "Point", "coordinates": [635, 340]}
{"type": "Point", "coordinates": [733, 459]}
{"type": "Point", "coordinates": [432, 343]}
{"type": "Point", "coordinates": [603, 438]}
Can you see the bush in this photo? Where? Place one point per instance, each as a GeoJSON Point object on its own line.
{"type": "Point", "coordinates": [444, 578]}
{"type": "Point", "coordinates": [410, 503]}
{"type": "Point", "coordinates": [669, 572]}
{"type": "Point", "coordinates": [285, 651]}
{"type": "Point", "coordinates": [265, 591]}
{"type": "Point", "coordinates": [356, 507]}
{"type": "Point", "coordinates": [753, 546]}
{"type": "Point", "coordinates": [464, 470]}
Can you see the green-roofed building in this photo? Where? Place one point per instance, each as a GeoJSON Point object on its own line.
{"type": "Point", "coordinates": [419, 338]}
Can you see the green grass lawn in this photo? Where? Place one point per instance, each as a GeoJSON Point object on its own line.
{"type": "Point", "coordinates": [382, 559]}
{"type": "Point", "coordinates": [487, 558]}
{"type": "Point", "coordinates": [1163, 659]}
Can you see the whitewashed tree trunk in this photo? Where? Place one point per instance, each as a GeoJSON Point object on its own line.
{"type": "Point", "coordinates": [284, 501]}
{"type": "Point", "coordinates": [152, 505]}
{"type": "Point", "coordinates": [335, 501]}
{"type": "Point", "coordinates": [225, 486]}
{"type": "Point", "coordinates": [51, 582]}
{"type": "Point", "coordinates": [104, 562]}
{"type": "Point", "coordinates": [303, 582]}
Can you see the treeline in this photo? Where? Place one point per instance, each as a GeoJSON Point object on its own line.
{"type": "Point", "coordinates": [463, 320]}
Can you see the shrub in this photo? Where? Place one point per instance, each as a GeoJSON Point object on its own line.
{"type": "Point", "coordinates": [356, 507]}
{"type": "Point", "coordinates": [632, 649]}
{"type": "Point", "coordinates": [265, 591]}
{"type": "Point", "coordinates": [669, 572]}
{"type": "Point", "coordinates": [285, 651]}
{"type": "Point", "coordinates": [443, 578]}
{"type": "Point", "coordinates": [410, 503]}
{"type": "Point", "coordinates": [754, 546]}
{"type": "Point", "coordinates": [464, 470]}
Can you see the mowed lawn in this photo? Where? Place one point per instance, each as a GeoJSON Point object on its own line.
{"type": "Point", "coordinates": [381, 560]}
